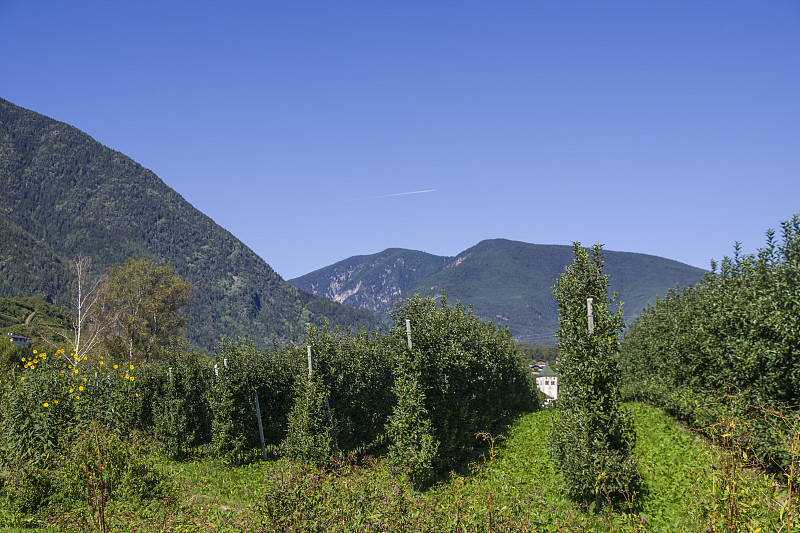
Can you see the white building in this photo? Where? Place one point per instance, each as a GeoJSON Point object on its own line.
{"type": "Point", "coordinates": [547, 382]}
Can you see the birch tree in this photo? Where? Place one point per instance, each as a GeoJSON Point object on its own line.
{"type": "Point", "coordinates": [91, 320]}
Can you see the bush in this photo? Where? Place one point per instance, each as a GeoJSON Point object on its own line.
{"type": "Point", "coordinates": [310, 436]}
{"type": "Point", "coordinates": [462, 376]}
{"type": "Point", "coordinates": [592, 437]}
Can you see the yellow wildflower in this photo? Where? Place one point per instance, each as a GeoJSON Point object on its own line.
{"type": "Point", "coordinates": [116, 367]}
{"type": "Point", "coordinates": [46, 404]}
{"type": "Point", "coordinates": [132, 380]}
{"type": "Point", "coordinates": [71, 391]}
{"type": "Point", "coordinates": [101, 362]}
{"type": "Point", "coordinates": [22, 378]}
{"type": "Point", "coordinates": [131, 367]}
{"type": "Point", "coordinates": [80, 388]}
{"type": "Point", "coordinates": [77, 397]}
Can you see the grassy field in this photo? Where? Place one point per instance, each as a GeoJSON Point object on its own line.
{"type": "Point", "coordinates": [509, 486]}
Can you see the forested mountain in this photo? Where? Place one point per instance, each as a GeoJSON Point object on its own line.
{"type": "Point", "coordinates": [508, 282]}
{"type": "Point", "coordinates": [65, 194]}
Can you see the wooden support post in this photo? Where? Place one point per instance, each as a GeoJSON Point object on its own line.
{"type": "Point", "coordinates": [589, 314]}
{"type": "Point", "coordinates": [408, 332]}
{"type": "Point", "coordinates": [260, 426]}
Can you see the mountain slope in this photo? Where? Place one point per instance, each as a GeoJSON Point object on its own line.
{"type": "Point", "coordinates": [77, 196]}
{"type": "Point", "coordinates": [27, 262]}
{"type": "Point", "coordinates": [507, 282]}
{"type": "Point", "coordinates": [372, 282]}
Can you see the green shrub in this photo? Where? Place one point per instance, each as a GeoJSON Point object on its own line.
{"type": "Point", "coordinates": [462, 374]}
{"type": "Point", "coordinates": [737, 330]}
{"type": "Point", "coordinates": [310, 437]}
{"type": "Point", "coordinates": [413, 448]}
{"type": "Point", "coordinates": [241, 370]}
{"type": "Point", "coordinates": [101, 467]}
{"type": "Point", "coordinates": [592, 437]}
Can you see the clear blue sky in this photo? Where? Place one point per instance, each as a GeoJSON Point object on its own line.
{"type": "Point", "coordinates": [667, 128]}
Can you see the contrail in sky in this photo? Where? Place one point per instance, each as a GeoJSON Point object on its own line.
{"type": "Point", "coordinates": [395, 194]}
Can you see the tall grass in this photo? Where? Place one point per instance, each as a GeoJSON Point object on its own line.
{"type": "Point", "coordinates": [510, 484]}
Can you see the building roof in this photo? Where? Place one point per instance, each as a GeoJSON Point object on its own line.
{"type": "Point", "coordinates": [547, 372]}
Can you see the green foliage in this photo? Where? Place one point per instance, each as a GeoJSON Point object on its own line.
{"type": "Point", "coordinates": [102, 463]}
{"type": "Point", "coordinates": [736, 330]}
{"type": "Point", "coordinates": [26, 489]}
{"type": "Point", "coordinates": [310, 437]}
{"type": "Point", "coordinates": [538, 352]}
{"type": "Point", "coordinates": [463, 374]}
{"type": "Point", "coordinates": [512, 486]}
{"type": "Point", "coordinates": [96, 469]}
{"type": "Point", "coordinates": [592, 439]}
{"type": "Point", "coordinates": [147, 299]}
{"type": "Point", "coordinates": [358, 373]}
{"type": "Point", "coordinates": [174, 402]}
{"type": "Point", "coordinates": [28, 315]}
{"type": "Point", "coordinates": [240, 370]}
{"type": "Point", "coordinates": [28, 265]}
{"type": "Point", "coordinates": [413, 446]}
{"type": "Point", "coordinates": [10, 355]}
{"type": "Point", "coordinates": [46, 397]}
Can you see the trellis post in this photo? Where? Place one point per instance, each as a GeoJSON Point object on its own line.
{"type": "Point", "coordinates": [260, 426]}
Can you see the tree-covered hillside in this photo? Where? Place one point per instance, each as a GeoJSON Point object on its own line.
{"type": "Point", "coordinates": [29, 263]}
{"type": "Point", "coordinates": [507, 282]}
{"type": "Point", "coordinates": [65, 194]}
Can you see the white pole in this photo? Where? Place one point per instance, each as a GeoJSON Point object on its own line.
{"type": "Point", "coordinates": [408, 332]}
{"type": "Point", "coordinates": [260, 426]}
{"type": "Point", "coordinates": [589, 314]}
{"type": "Point", "coordinates": [309, 362]}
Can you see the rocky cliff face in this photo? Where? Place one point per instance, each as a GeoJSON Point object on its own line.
{"type": "Point", "coordinates": [373, 282]}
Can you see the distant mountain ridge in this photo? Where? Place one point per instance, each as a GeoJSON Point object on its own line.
{"type": "Point", "coordinates": [64, 193]}
{"type": "Point", "coordinates": [507, 282]}
{"type": "Point", "coordinates": [373, 282]}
